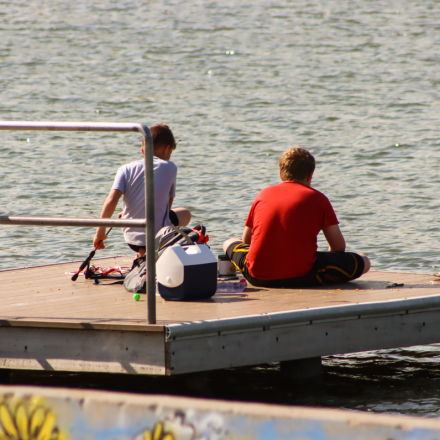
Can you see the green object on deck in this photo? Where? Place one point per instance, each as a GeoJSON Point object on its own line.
{"type": "Point", "coordinates": [136, 296]}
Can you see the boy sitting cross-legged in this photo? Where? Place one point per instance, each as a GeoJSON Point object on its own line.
{"type": "Point", "coordinates": [279, 244]}
{"type": "Point", "coordinates": [129, 182]}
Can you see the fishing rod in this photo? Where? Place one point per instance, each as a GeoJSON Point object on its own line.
{"type": "Point", "coordinates": [86, 262]}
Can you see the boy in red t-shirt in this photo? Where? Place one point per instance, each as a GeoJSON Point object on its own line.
{"type": "Point", "coordinates": [279, 244]}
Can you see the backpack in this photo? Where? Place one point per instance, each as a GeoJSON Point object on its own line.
{"type": "Point", "coordinates": [135, 280]}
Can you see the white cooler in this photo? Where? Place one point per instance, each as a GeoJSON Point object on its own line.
{"type": "Point", "coordinates": [187, 272]}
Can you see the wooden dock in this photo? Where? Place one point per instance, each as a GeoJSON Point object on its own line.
{"type": "Point", "coordinates": [49, 322]}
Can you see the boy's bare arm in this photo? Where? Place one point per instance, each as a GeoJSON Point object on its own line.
{"type": "Point", "coordinates": [109, 207]}
{"type": "Point", "coordinates": [334, 237]}
{"type": "Point", "coordinates": [247, 235]}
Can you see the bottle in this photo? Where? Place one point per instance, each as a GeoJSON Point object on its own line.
{"type": "Point", "coordinates": [231, 286]}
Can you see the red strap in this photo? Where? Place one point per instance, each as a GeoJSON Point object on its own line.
{"type": "Point", "coordinates": [202, 238]}
{"type": "Point", "coordinates": [111, 269]}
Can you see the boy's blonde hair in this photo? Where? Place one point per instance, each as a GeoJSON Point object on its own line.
{"type": "Point", "coordinates": [296, 164]}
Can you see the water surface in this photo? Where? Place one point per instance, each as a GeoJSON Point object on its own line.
{"type": "Point", "coordinates": [357, 83]}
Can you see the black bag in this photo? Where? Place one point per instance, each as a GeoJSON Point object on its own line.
{"type": "Point", "coordinates": [171, 235]}
{"type": "Point", "coordinates": [135, 280]}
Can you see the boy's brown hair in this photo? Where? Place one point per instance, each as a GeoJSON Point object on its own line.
{"type": "Point", "coordinates": [162, 136]}
{"type": "Point", "coordinates": [296, 164]}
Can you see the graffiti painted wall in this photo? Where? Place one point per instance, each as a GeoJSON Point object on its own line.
{"type": "Point", "coordinates": [57, 414]}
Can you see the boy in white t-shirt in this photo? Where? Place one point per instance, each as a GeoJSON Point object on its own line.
{"type": "Point", "coordinates": [129, 182]}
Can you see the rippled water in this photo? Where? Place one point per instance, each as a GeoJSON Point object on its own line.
{"type": "Point", "coordinates": [357, 83]}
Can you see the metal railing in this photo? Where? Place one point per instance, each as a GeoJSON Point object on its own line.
{"type": "Point", "coordinates": [148, 223]}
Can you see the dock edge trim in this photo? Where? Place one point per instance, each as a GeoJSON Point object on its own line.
{"type": "Point", "coordinates": [305, 316]}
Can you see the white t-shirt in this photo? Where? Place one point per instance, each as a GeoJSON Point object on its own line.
{"type": "Point", "coordinates": [130, 180]}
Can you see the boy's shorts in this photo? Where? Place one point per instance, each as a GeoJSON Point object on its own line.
{"type": "Point", "coordinates": [174, 220]}
{"type": "Point", "coordinates": [329, 268]}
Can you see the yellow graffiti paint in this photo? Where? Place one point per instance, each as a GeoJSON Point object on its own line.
{"type": "Point", "coordinates": [28, 419]}
{"type": "Point", "coordinates": [158, 433]}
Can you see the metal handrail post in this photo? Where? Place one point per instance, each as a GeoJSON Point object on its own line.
{"type": "Point", "coordinates": [149, 183]}
{"type": "Point", "coordinates": [150, 253]}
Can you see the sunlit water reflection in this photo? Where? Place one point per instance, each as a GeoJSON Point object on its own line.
{"type": "Point", "coordinates": [356, 83]}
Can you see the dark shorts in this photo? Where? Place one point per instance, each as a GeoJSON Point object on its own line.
{"type": "Point", "coordinates": [329, 268]}
{"type": "Point", "coordinates": [174, 220]}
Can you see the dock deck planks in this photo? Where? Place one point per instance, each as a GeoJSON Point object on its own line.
{"type": "Point", "coordinates": [46, 294]}
{"type": "Point", "coordinates": [43, 309]}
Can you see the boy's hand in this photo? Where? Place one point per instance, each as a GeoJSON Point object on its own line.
{"type": "Point", "coordinates": [98, 241]}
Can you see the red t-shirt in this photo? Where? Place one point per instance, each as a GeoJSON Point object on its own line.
{"type": "Point", "coordinates": [285, 220]}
